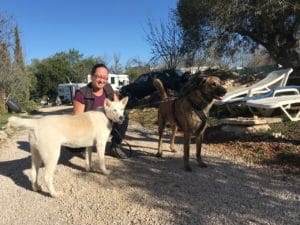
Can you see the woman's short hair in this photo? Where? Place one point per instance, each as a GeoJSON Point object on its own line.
{"type": "Point", "coordinates": [98, 66]}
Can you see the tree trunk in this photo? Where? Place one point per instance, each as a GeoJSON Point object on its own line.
{"type": "Point", "coordinates": [289, 58]}
{"type": "Point", "coordinates": [2, 101]}
{"type": "Point", "coordinates": [294, 78]}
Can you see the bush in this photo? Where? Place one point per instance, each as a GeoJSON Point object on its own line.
{"type": "Point", "coordinates": [30, 106]}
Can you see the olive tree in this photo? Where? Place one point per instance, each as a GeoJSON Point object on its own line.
{"type": "Point", "coordinates": [224, 27]}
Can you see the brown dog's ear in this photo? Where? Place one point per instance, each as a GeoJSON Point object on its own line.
{"type": "Point", "coordinates": [107, 102]}
{"type": "Point", "coordinates": [200, 80]}
{"type": "Point", "coordinates": [203, 80]}
{"type": "Point", "coordinates": [124, 100]}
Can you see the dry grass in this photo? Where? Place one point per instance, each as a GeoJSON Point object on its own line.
{"type": "Point", "coordinates": [279, 152]}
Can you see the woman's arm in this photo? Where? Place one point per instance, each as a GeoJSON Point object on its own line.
{"type": "Point", "coordinates": [78, 107]}
{"type": "Point", "coordinates": [116, 98]}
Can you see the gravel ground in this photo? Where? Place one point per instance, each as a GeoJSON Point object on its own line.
{"type": "Point", "coordinates": [146, 190]}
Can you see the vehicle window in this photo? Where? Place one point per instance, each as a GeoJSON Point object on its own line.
{"type": "Point", "coordinates": [142, 79]}
{"type": "Point", "coordinates": [179, 73]}
{"type": "Point", "coordinates": [112, 80]}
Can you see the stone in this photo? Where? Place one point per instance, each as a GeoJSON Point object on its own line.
{"type": "Point", "coordinates": [241, 130]}
{"type": "Point", "coordinates": [247, 121]}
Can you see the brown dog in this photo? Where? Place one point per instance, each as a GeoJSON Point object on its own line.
{"type": "Point", "coordinates": [189, 112]}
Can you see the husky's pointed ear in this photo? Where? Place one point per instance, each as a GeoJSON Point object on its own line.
{"type": "Point", "coordinates": [124, 100]}
{"type": "Point", "coordinates": [107, 102]}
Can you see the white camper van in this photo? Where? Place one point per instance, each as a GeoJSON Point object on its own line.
{"type": "Point", "coordinates": [116, 80]}
{"type": "Point", "coordinates": [66, 92]}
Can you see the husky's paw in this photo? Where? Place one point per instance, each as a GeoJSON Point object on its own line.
{"type": "Point", "coordinates": [36, 187]}
{"type": "Point", "coordinates": [105, 172]}
{"type": "Point", "coordinates": [56, 194]}
{"type": "Point", "coordinates": [88, 169]}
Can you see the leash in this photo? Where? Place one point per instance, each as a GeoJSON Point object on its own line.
{"type": "Point", "coordinates": [124, 141]}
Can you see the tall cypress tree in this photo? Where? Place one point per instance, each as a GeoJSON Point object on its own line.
{"type": "Point", "coordinates": [18, 53]}
{"type": "Point", "coordinates": [5, 66]}
{"type": "Point", "coordinates": [20, 87]}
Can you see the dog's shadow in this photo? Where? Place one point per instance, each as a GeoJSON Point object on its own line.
{"type": "Point", "coordinates": [15, 169]}
{"type": "Point", "coordinates": [18, 169]}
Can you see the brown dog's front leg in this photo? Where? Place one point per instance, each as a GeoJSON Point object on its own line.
{"type": "Point", "coordinates": [186, 156]}
{"type": "Point", "coordinates": [199, 141]}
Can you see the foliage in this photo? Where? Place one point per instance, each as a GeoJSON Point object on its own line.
{"type": "Point", "coordinates": [30, 106]}
{"type": "Point", "coordinates": [287, 156]}
{"type": "Point", "coordinates": [63, 67]}
{"type": "Point", "coordinates": [6, 77]}
{"type": "Point", "coordinates": [166, 43]}
{"type": "Point", "coordinates": [261, 69]}
{"type": "Point", "coordinates": [210, 25]}
{"type": "Point", "coordinates": [49, 73]}
{"type": "Point", "coordinates": [3, 118]}
{"type": "Point", "coordinates": [21, 84]}
{"type": "Point", "coordinates": [116, 68]}
{"type": "Point", "coordinates": [135, 67]}
{"type": "Point", "coordinates": [14, 81]}
{"type": "Point", "coordinates": [18, 53]}
{"type": "Point", "coordinates": [260, 58]}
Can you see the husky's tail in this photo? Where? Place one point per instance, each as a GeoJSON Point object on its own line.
{"type": "Point", "coordinates": [160, 87]}
{"type": "Point", "coordinates": [14, 121]}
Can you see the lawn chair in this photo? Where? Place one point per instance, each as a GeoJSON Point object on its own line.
{"type": "Point", "coordinates": [233, 100]}
{"type": "Point", "coordinates": [274, 79]}
{"type": "Point", "coordinates": [289, 105]}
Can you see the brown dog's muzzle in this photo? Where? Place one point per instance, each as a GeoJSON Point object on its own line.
{"type": "Point", "coordinates": [219, 93]}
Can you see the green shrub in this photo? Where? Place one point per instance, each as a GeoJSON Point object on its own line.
{"type": "Point", "coordinates": [3, 118]}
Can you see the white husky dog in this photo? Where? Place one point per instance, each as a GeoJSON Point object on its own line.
{"type": "Point", "coordinates": [47, 134]}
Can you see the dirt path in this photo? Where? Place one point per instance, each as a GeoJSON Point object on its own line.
{"type": "Point", "coordinates": [145, 189]}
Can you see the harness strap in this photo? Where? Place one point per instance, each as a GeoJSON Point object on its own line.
{"type": "Point", "coordinates": [199, 113]}
{"type": "Point", "coordinates": [198, 110]}
{"type": "Point", "coordinates": [203, 118]}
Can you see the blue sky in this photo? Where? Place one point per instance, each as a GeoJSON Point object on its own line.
{"type": "Point", "coordinates": [94, 27]}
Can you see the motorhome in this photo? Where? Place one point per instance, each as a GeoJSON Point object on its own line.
{"type": "Point", "coordinates": [66, 92]}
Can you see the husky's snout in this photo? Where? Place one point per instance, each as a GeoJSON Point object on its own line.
{"type": "Point", "coordinates": [121, 119]}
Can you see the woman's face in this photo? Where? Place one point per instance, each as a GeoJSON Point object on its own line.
{"type": "Point", "coordinates": [99, 78]}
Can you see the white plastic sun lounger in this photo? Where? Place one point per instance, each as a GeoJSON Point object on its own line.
{"type": "Point", "coordinates": [277, 78]}
{"type": "Point", "coordinates": [285, 103]}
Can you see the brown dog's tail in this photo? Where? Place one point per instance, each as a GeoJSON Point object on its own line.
{"type": "Point", "coordinates": [160, 87]}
